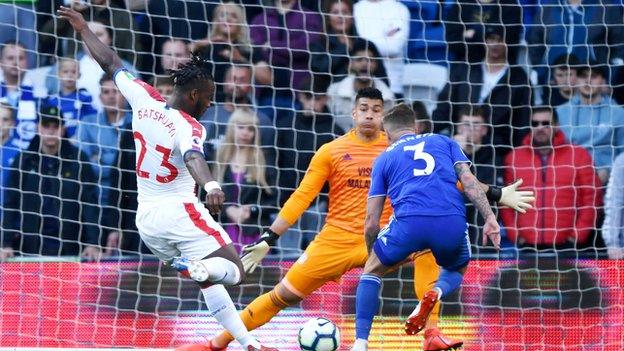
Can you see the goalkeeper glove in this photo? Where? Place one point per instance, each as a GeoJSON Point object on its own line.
{"type": "Point", "coordinates": [254, 253]}
{"type": "Point", "coordinates": [511, 197]}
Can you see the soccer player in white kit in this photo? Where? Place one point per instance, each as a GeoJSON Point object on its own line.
{"type": "Point", "coordinates": [170, 162]}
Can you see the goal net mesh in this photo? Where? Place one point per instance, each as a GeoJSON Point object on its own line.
{"type": "Point", "coordinates": [292, 68]}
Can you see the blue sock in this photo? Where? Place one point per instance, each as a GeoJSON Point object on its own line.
{"type": "Point", "coordinates": [448, 281]}
{"type": "Point", "coordinates": [366, 304]}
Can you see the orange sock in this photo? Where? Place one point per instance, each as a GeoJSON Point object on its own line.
{"type": "Point", "coordinates": [426, 272]}
{"type": "Point", "coordinates": [255, 315]}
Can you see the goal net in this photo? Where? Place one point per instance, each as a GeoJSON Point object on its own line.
{"type": "Point", "coordinates": [74, 273]}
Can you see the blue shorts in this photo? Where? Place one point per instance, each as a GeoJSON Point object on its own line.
{"type": "Point", "coordinates": [446, 236]}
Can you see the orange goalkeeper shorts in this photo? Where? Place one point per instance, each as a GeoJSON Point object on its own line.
{"type": "Point", "coordinates": [331, 254]}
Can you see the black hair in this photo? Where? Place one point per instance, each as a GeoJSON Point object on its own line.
{"type": "Point", "coordinates": [475, 110]}
{"type": "Point", "coordinates": [316, 84]}
{"type": "Point", "coordinates": [399, 117]}
{"type": "Point", "coordinates": [189, 74]}
{"type": "Point", "coordinates": [11, 42]}
{"type": "Point", "coordinates": [369, 93]}
{"type": "Point", "coordinates": [364, 45]}
{"type": "Point", "coordinates": [7, 106]}
{"type": "Point", "coordinates": [106, 77]}
{"type": "Point", "coordinates": [546, 108]}
{"type": "Point", "coordinates": [422, 116]}
{"type": "Point", "coordinates": [594, 68]}
{"type": "Point", "coordinates": [566, 61]}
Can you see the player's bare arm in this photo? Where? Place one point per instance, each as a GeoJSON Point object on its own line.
{"type": "Point", "coordinates": [102, 54]}
{"type": "Point", "coordinates": [373, 215]}
{"type": "Point", "coordinates": [477, 196]}
{"type": "Point", "coordinates": [198, 168]}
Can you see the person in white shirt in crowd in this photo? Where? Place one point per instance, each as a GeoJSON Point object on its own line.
{"type": "Point", "coordinates": [386, 24]}
{"type": "Point", "coordinates": [364, 63]}
{"type": "Point", "coordinates": [18, 91]}
{"type": "Point", "coordinates": [613, 226]}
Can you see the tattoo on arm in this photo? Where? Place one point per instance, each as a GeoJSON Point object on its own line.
{"type": "Point", "coordinates": [473, 189]}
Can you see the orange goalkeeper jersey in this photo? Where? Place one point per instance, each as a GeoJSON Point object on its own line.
{"type": "Point", "coordinates": [345, 163]}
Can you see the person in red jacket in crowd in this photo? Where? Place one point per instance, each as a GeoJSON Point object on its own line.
{"type": "Point", "coordinates": [567, 188]}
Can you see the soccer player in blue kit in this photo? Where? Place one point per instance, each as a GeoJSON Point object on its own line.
{"type": "Point", "coordinates": [419, 173]}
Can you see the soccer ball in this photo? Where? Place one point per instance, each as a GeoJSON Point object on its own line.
{"type": "Point", "coordinates": [319, 334]}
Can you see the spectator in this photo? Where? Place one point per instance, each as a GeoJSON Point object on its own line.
{"type": "Point", "coordinates": [386, 24]}
{"type": "Point", "coordinates": [364, 64]}
{"type": "Point", "coordinates": [166, 19]}
{"type": "Point", "coordinates": [17, 21]}
{"type": "Point", "coordinates": [164, 85]}
{"type": "Point", "coordinates": [562, 82]}
{"type": "Point", "coordinates": [247, 182]}
{"type": "Point", "coordinates": [299, 136]}
{"type": "Point", "coordinates": [174, 52]}
{"type": "Point", "coordinates": [74, 103]}
{"type": "Point", "coordinates": [98, 134]}
{"type": "Point", "coordinates": [50, 206]}
{"type": "Point", "coordinates": [9, 147]}
{"type": "Point", "coordinates": [613, 227]}
{"type": "Point", "coordinates": [331, 54]}
{"type": "Point", "coordinates": [468, 21]}
{"type": "Point", "coordinates": [495, 83]}
{"type": "Point", "coordinates": [588, 29]}
{"type": "Point", "coordinates": [90, 71]}
{"type": "Point", "coordinates": [426, 43]}
{"type": "Point", "coordinates": [17, 91]}
{"type": "Point", "coordinates": [565, 183]}
{"type": "Point", "coordinates": [237, 94]}
{"type": "Point", "coordinates": [471, 131]}
{"type": "Point", "coordinates": [228, 41]}
{"type": "Point", "coordinates": [120, 214]}
{"type": "Point", "coordinates": [55, 36]}
{"type": "Point", "coordinates": [283, 35]}
{"type": "Point", "coordinates": [593, 120]}
{"type": "Point", "coordinates": [423, 121]}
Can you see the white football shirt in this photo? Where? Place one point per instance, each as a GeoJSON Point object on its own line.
{"type": "Point", "coordinates": [162, 135]}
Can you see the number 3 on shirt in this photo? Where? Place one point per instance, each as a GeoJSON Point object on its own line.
{"type": "Point", "coordinates": [173, 171]}
{"type": "Point", "coordinates": [420, 154]}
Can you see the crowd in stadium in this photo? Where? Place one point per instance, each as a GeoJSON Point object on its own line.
{"type": "Point", "coordinates": [530, 90]}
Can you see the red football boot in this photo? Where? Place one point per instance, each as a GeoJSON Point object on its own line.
{"type": "Point", "coordinates": [417, 321]}
{"type": "Point", "coordinates": [200, 347]}
{"type": "Point", "coordinates": [436, 341]}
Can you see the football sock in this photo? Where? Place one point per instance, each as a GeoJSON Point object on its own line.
{"type": "Point", "coordinates": [366, 304]}
{"type": "Point", "coordinates": [222, 271]}
{"type": "Point", "coordinates": [222, 308]}
{"type": "Point", "coordinates": [426, 272]}
{"type": "Point", "coordinates": [256, 314]}
{"type": "Point", "coordinates": [448, 282]}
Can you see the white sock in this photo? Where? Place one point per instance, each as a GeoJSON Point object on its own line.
{"type": "Point", "coordinates": [360, 345]}
{"type": "Point", "coordinates": [222, 271]}
{"type": "Point", "coordinates": [222, 309]}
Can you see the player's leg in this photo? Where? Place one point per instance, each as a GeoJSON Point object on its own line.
{"type": "Point", "coordinates": [449, 244]}
{"type": "Point", "coordinates": [207, 251]}
{"type": "Point", "coordinates": [321, 262]}
{"type": "Point", "coordinates": [392, 246]}
{"type": "Point", "coordinates": [426, 272]}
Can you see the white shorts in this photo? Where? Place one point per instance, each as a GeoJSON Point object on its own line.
{"type": "Point", "coordinates": [180, 229]}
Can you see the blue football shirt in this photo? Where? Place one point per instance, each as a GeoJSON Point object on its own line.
{"type": "Point", "coordinates": [417, 174]}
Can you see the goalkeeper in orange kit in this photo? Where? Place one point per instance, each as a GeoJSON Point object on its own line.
{"type": "Point", "coordinates": [345, 164]}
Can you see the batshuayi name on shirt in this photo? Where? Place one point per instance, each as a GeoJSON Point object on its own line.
{"type": "Point", "coordinates": [158, 117]}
